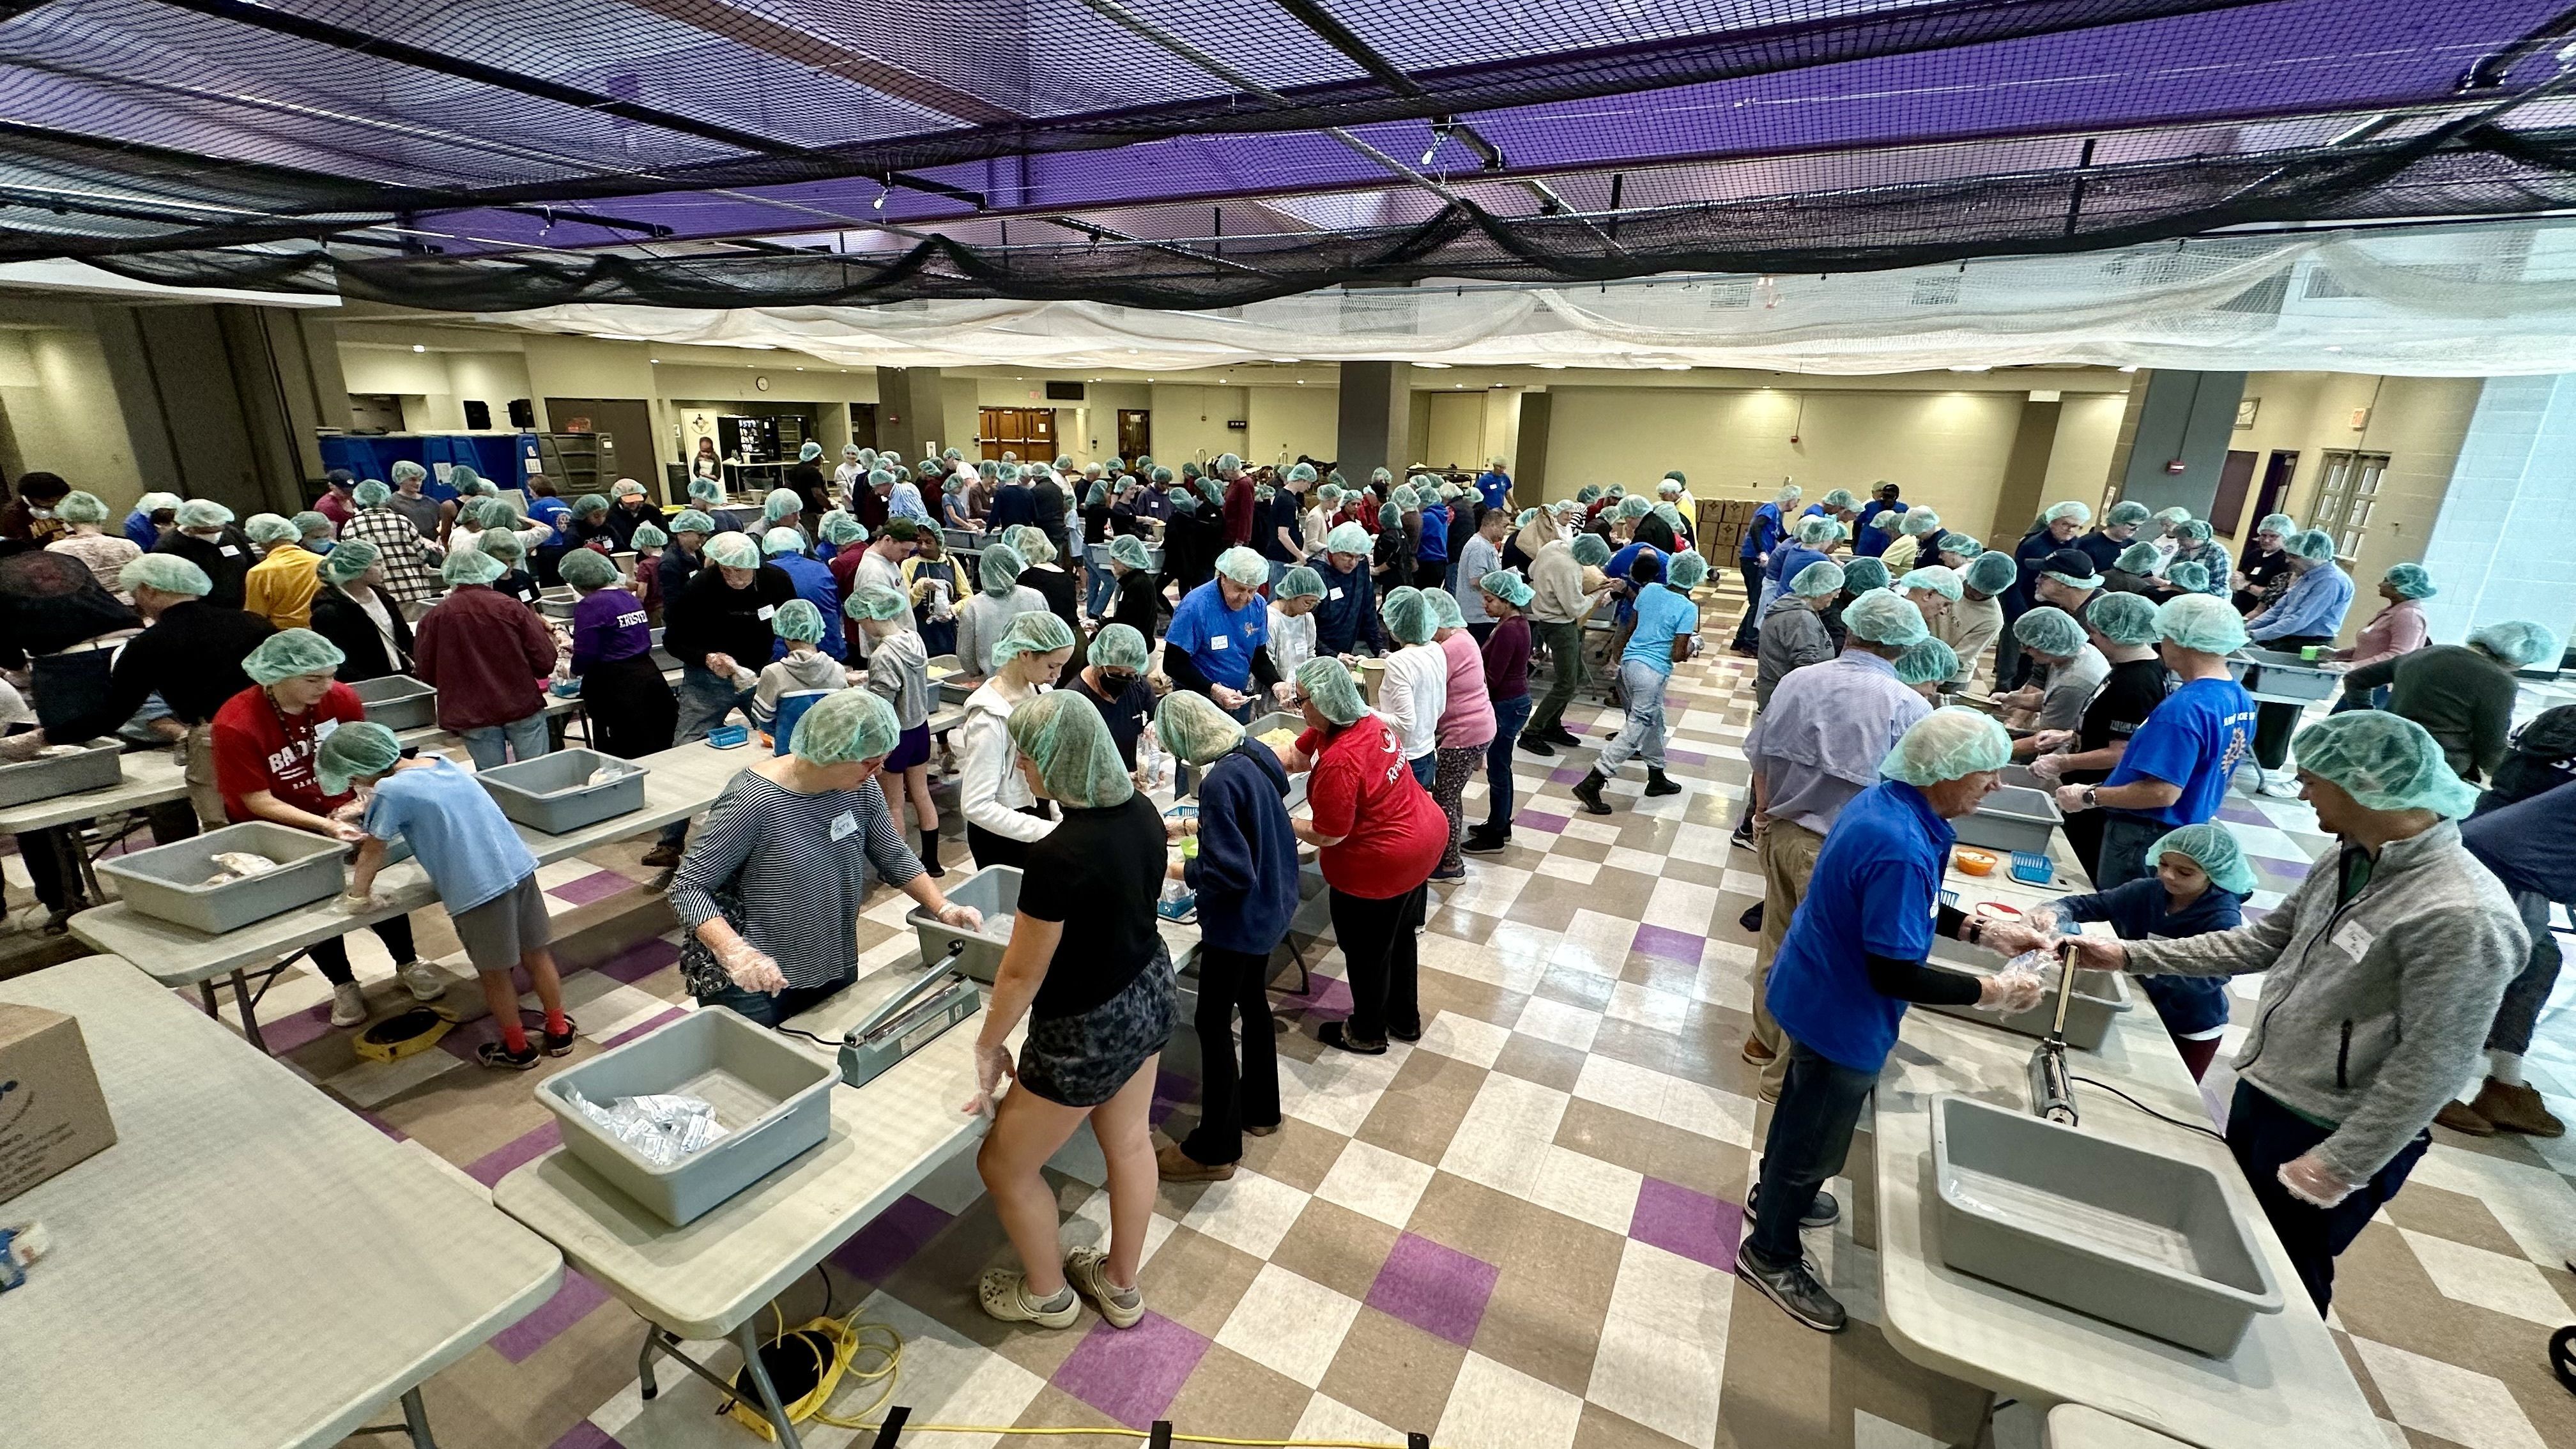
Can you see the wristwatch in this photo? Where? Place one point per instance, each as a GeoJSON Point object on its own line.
{"type": "Point", "coordinates": [2092, 796]}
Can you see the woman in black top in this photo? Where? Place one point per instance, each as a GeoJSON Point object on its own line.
{"type": "Point", "coordinates": [1114, 682]}
{"type": "Point", "coordinates": [352, 612]}
{"type": "Point", "coordinates": [1086, 965]}
{"type": "Point", "coordinates": [2265, 569]}
{"type": "Point", "coordinates": [1052, 582]}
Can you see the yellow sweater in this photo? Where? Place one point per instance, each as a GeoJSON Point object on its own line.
{"type": "Point", "coordinates": [280, 588]}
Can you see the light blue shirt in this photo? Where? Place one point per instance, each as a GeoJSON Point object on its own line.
{"type": "Point", "coordinates": [1663, 615]}
{"type": "Point", "coordinates": [1827, 729]}
{"type": "Point", "coordinates": [905, 502]}
{"type": "Point", "coordinates": [2315, 603]}
{"type": "Point", "coordinates": [457, 834]}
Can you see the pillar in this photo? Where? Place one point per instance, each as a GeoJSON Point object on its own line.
{"type": "Point", "coordinates": [1529, 450]}
{"type": "Point", "coordinates": [912, 412]}
{"type": "Point", "coordinates": [1376, 421]}
{"type": "Point", "coordinates": [2017, 500]}
{"type": "Point", "coordinates": [223, 402]}
{"type": "Point", "coordinates": [2173, 440]}
{"type": "Point", "coordinates": [2510, 486]}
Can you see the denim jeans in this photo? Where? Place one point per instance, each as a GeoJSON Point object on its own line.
{"type": "Point", "coordinates": [2126, 839]}
{"type": "Point", "coordinates": [1509, 716]}
{"type": "Point", "coordinates": [768, 1010]}
{"type": "Point", "coordinates": [1426, 768]}
{"type": "Point", "coordinates": [526, 739]}
{"type": "Point", "coordinates": [2263, 1135]}
{"type": "Point", "coordinates": [1643, 735]}
{"type": "Point", "coordinates": [704, 701]}
{"type": "Point", "coordinates": [1100, 591]}
{"type": "Point", "coordinates": [1811, 1131]}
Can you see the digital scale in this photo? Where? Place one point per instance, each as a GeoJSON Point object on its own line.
{"type": "Point", "coordinates": [910, 1021]}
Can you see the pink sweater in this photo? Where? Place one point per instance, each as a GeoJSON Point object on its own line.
{"type": "Point", "coordinates": [1468, 721]}
{"type": "Point", "coordinates": [2397, 629]}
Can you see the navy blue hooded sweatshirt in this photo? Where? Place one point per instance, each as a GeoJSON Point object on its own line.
{"type": "Point", "coordinates": [2187, 1005]}
{"type": "Point", "coordinates": [1246, 870]}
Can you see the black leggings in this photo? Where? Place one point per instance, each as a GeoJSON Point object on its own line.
{"type": "Point", "coordinates": [1377, 943]}
{"type": "Point", "coordinates": [1232, 983]}
{"type": "Point", "coordinates": [333, 958]}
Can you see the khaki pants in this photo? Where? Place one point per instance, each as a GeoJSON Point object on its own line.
{"type": "Point", "coordinates": [1788, 859]}
{"type": "Point", "coordinates": [199, 751]}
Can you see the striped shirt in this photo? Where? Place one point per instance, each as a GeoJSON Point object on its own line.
{"type": "Point", "coordinates": [790, 873]}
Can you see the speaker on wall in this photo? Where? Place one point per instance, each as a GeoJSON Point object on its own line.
{"type": "Point", "coordinates": [522, 413]}
{"type": "Point", "coordinates": [478, 414]}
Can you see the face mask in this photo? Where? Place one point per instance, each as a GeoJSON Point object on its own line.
{"type": "Point", "coordinates": [320, 545]}
{"type": "Point", "coordinates": [1116, 680]}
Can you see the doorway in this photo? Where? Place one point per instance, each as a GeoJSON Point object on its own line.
{"type": "Point", "coordinates": [1135, 432]}
{"type": "Point", "coordinates": [2276, 484]}
{"type": "Point", "coordinates": [2234, 477]}
{"type": "Point", "coordinates": [626, 422]}
{"type": "Point", "coordinates": [2346, 496]}
{"type": "Point", "coordinates": [1029, 432]}
{"type": "Point", "coordinates": [863, 424]}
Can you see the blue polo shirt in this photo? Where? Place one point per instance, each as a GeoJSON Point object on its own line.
{"type": "Point", "coordinates": [1491, 486]}
{"type": "Point", "coordinates": [1870, 542]}
{"type": "Point", "coordinates": [1886, 848]}
{"type": "Point", "coordinates": [2195, 739]}
{"type": "Point", "coordinates": [1617, 568]}
{"type": "Point", "coordinates": [1220, 641]}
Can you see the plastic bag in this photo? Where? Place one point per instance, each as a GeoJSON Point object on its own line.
{"type": "Point", "coordinates": [233, 865]}
{"type": "Point", "coordinates": [660, 1129]}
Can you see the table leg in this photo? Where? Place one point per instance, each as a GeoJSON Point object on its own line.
{"type": "Point", "coordinates": [644, 1361]}
{"type": "Point", "coordinates": [206, 990]}
{"type": "Point", "coordinates": [249, 1015]}
{"type": "Point", "coordinates": [416, 1419]}
{"type": "Point", "coordinates": [748, 1340]}
{"type": "Point", "coordinates": [72, 867]}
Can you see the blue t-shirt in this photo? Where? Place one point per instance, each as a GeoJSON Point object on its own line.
{"type": "Point", "coordinates": [1220, 641]}
{"type": "Point", "coordinates": [1867, 541]}
{"type": "Point", "coordinates": [1786, 561]}
{"type": "Point", "coordinates": [2195, 739]}
{"type": "Point", "coordinates": [554, 513]}
{"type": "Point", "coordinates": [1618, 567]}
{"type": "Point", "coordinates": [1492, 486]}
{"type": "Point", "coordinates": [1663, 614]}
{"type": "Point", "coordinates": [1887, 848]}
{"type": "Point", "coordinates": [457, 834]}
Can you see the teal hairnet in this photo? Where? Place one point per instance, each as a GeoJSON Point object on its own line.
{"type": "Point", "coordinates": [2384, 761]}
{"type": "Point", "coordinates": [646, 536]}
{"type": "Point", "coordinates": [2516, 643]}
{"type": "Point", "coordinates": [1929, 662]}
{"type": "Point", "coordinates": [2138, 558]}
{"type": "Point", "coordinates": [1880, 616]}
{"type": "Point", "coordinates": [876, 602]}
{"type": "Point", "coordinates": [880, 479]}
{"type": "Point", "coordinates": [1128, 549]}
{"type": "Point", "coordinates": [1300, 582]}
{"type": "Point", "coordinates": [2201, 622]}
{"type": "Point", "coordinates": [1591, 550]}
{"type": "Point", "coordinates": [2050, 630]}
{"type": "Point", "coordinates": [1408, 615]}
{"type": "Point", "coordinates": [846, 727]}
{"type": "Point", "coordinates": [1302, 473]}
{"type": "Point", "coordinates": [2409, 580]}
{"type": "Point", "coordinates": [1948, 744]}
{"type": "Point", "coordinates": [471, 566]}
{"type": "Point", "coordinates": [2213, 848]}
{"type": "Point", "coordinates": [1445, 613]}
{"type": "Point", "coordinates": [841, 529]}
{"type": "Point", "coordinates": [504, 545]}
{"type": "Point", "coordinates": [1243, 566]}
{"type": "Point", "coordinates": [1192, 727]}
{"type": "Point", "coordinates": [1390, 518]}
{"type": "Point", "coordinates": [1860, 575]}
{"type": "Point", "coordinates": [1919, 521]}
{"type": "Point", "coordinates": [1990, 573]}
{"type": "Point", "coordinates": [2191, 578]}
{"type": "Point", "coordinates": [1671, 516]}
{"type": "Point", "coordinates": [290, 652]}
{"type": "Point", "coordinates": [999, 569]}
{"type": "Point", "coordinates": [1820, 531]}
{"type": "Point", "coordinates": [406, 471]}
{"type": "Point", "coordinates": [1675, 474]}
{"type": "Point", "coordinates": [2192, 530]}
{"type": "Point", "coordinates": [692, 520]}
{"type": "Point", "coordinates": [1687, 570]}
{"type": "Point", "coordinates": [1227, 464]}
{"type": "Point", "coordinates": [463, 478]}
{"type": "Point", "coordinates": [1789, 493]}
{"type": "Point", "coordinates": [629, 488]}
{"type": "Point", "coordinates": [1939, 578]}
{"type": "Point", "coordinates": [1618, 490]}
{"type": "Point", "coordinates": [1888, 521]}
{"type": "Point", "coordinates": [2080, 513]}
{"type": "Point", "coordinates": [781, 540]}
{"type": "Point", "coordinates": [1960, 544]}
{"type": "Point", "coordinates": [79, 507]}
{"type": "Point", "coordinates": [1119, 646]}
{"type": "Point", "coordinates": [1063, 734]}
{"type": "Point", "coordinates": [2172, 517]}
{"type": "Point", "coordinates": [265, 529]}
{"type": "Point", "coordinates": [588, 504]}
{"type": "Point", "coordinates": [1035, 632]}
{"type": "Point", "coordinates": [1347, 538]}
{"type": "Point", "coordinates": [1030, 543]}
{"type": "Point", "coordinates": [1840, 499]}
{"type": "Point", "coordinates": [2126, 512]}
{"type": "Point", "coordinates": [1379, 478]}
{"type": "Point", "coordinates": [706, 490]}
{"type": "Point", "coordinates": [203, 513]}
{"type": "Point", "coordinates": [1507, 586]}
{"type": "Point", "coordinates": [1818, 580]}
{"type": "Point", "coordinates": [1634, 507]}
{"type": "Point", "coordinates": [796, 620]}
{"type": "Point", "coordinates": [1330, 495]}
{"type": "Point", "coordinates": [357, 747]}
{"type": "Point", "coordinates": [1331, 690]}
{"type": "Point", "coordinates": [1587, 492]}
{"type": "Point", "coordinates": [808, 453]}
{"type": "Point", "coordinates": [733, 551]}
{"type": "Point", "coordinates": [2124, 618]}
{"type": "Point", "coordinates": [343, 564]}
{"type": "Point", "coordinates": [2315, 545]}
{"type": "Point", "coordinates": [2281, 524]}
{"type": "Point", "coordinates": [371, 493]}
{"type": "Point", "coordinates": [781, 503]}
{"type": "Point", "coordinates": [586, 569]}
{"type": "Point", "coordinates": [166, 572]}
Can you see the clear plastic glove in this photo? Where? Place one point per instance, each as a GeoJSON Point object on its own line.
{"type": "Point", "coordinates": [2308, 1179]}
{"type": "Point", "coordinates": [2011, 938]}
{"type": "Point", "coordinates": [2070, 798]}
{"type": "Point", "coordinates": [2009, 992]}
{"type": "Point", "coordinates": [964, 918]}
{"type": "Point", "coordinates": [2099, 953]}
{"type": "Point", "coordinates": [352, 904]}
{"type": "Point", "coordinates": [2048, 767]}
{"type": "Point", "coordinates": [752, 970]}
{"type": "Point", "coordinates": [2046, 740]}
{"type": "Point", "coordinates": [347, 831]}
{"type": "Point", "coordinates": [992, 1068]}
{"type": "Point", "coordinates": [2042, 920]}
{"type": "Point", "coordinates": [1226, 698]}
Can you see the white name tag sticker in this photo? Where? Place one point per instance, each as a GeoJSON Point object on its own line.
{"type": "Point", "coordinates": [229, 551]}
{"type": "Point", "coordinates": [1218, 643]}
{"type": "Point", "coordinates": [768, 609]}
{"type": "Point", "coordinates": [323, 730]}
{"type": "Point", "coordinates": [844, 825]}
{"type": "Point", "coordinates": [1335, 594]}
{"type": "Point", "coordinates": [2354, 939]}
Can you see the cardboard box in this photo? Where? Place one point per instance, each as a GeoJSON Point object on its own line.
{"type": "Point", "coordinates": [52, 1113]}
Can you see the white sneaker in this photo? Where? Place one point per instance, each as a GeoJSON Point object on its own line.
{"type": "Point", "coordinates": [424, 981]}
{"type": "Point", "coordinates": [2281, 784]}
{"type": "Point", "coordinates": [348, 1005]}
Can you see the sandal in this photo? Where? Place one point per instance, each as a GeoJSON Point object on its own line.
{"type": "Point", "coordinates": [1333, 1034]}
{"type": "Point", "coordinates": [1005, 1295]}
{"type": "Point", "coordinates": [1087, 1269]}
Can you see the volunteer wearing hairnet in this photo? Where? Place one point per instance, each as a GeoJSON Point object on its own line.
{"type": "Point", "coordinates": [784, 550]}
{"type": "Point", "coordinates": [1002, 817]}
{"type": "Point", "coordinates": [264, 739]}
{"type": "Point", "coordinates": [1973, 621]}
{"type": "Point", "coordinates": [2188, 578]}
{"type": "Point", "coordinates": [2398, 628]}
{"type": "Point", "coordinates": [719, 630]}
{"type": "Point", "coordinates": [2122, 629]}
{"type": "Point", "coordinates": [2134, 571]}
{"type": "Point", "coordinates": [281, 586]}
{"type": "Point", "coordinates": [2381, 974]}
{"type": "Point", "coordinates": [2193, 544]}
{"type": "Point", "coordinates": [1932, 588]}
{"type": "Point", "coordinates": [1561, 598]}
{"type": "Point", "coordinates": [801, 677]}
{"type": "Point", "coordinates": [1667, 629]}
{"type": "Point", "coordinates": [2114, 536]}
{"type": "Point", "coordinates": [1752, 557]}
{"type": "Point", "coordinates": [1956, 549]}
{"type": "Point", "coordinates": [1046, 575]}
{"type": "Point", "coordinates": [353, 612]}
{"type": "Point", "coordinates": [1840, 985]}
{"type": "Point", "coordinates": [2462, 693]}
{"type": "Point", "coordinates": [2068, 669]}
{"type": "Point", "coordinates": [630, 508]}
{"type": "Point", "coordinates": [151, 519]}
{"type": "Point", "coordinates": [105, 555]}
{"type": "Point", "coordinates": [1914, 533]}
{"type": "Point", "coordinates": [2265, 571]}
{"type": "Point", "coordinates": [1215, 645]}
{"type": "Point", "coordinates": [205, 536]}
{"type": "Point", "coordinates": [2306, 615]}
{"type": "Point", "coordinates": [805, 479]}
{"type": "Point", "coordinates": [2200, 884]}
{"type": "Point", "coordinates": [1000, 599]}
{"type": "Point", "coordinates": [680, 559]}
{"type": "Point", "coordinates": [410, 567]}
{"type": "Point", "coordinates": [1415, 687]}
{"type": "Point", "coordinates": [1876, 527]}
{"type": "Point", "coordinates": [1926, 667]}
{"type": "Point", "coordinates": [627, 703]}
{"type": "Point", "coordinates": [2175, 768]}
{"type": "Point", "coordinates": [1113, 678]}
{"type": "Point", "coordinates": [1794, 635]}
{"type": "Point", "coordinates": [484, 652]}
{"type": "Point", "coordinates": [2055, 529]}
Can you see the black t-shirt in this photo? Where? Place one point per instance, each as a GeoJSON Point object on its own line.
{"type": "Point", "coordinates": [1127, 715]}
{"type": "Point", "coordinates": [2130, 692]}
{"type": "Point", "coordinates": [1099, 874]}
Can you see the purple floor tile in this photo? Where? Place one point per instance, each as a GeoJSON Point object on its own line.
{"type": "Point", "coordinates": [1329, 999]}
{"type": "Point", "coordinates": [874, 1252]}
{"type": "Point", "coordinates": [1668, 944]}
{"type": "Point", "coordinates": [639, 960]}
{"type": "Point", "coordinates": [599, 885]}
{"type": "Point", "coordinates": [1436, 1289]}
{"type": "Point", "coordinates": [294, 1031]}
{"type": "Point", "coordinates": [2285, 869]}
{"type": "Point", "coordinates": [572, 1303]}
{"type": "Point", "coordinates": [1567, 776]}
{"type": "Point", "coordinates": [1676, 1219]}
{"type": "Point", "coordinates": [2242, 815]}
{"type": "Point", "coordinates": [501, 1161]}
{"type": "Point", "coordinates": [587, 1435]}
{"type": "Point", "coordinates": [1172, 1091]}
{"type": "Point", "coordinates": [1541, 820]}
{"type": "Point", "coordinates": [1132, 1374]}
{"type": "Point", "coordinates": [660, 1020]}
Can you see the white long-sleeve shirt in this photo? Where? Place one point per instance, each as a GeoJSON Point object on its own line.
{"type": "Point", "coordinates": [990, 789]}
{"type": "Point", "coordinates": [1292, 641]}
{"type": "Point", "coordinates": [1412, 696]}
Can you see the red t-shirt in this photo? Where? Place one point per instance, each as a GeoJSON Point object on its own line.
{"type": "Point", "coordinates": [257, 748]}
{"type": "Point", "coordinates": [1363, 791]}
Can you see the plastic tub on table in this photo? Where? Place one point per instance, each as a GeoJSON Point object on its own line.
{"type": "Point", "coordinates": [98, 766]}
{"type": "Point", "coordinates": [398, 702]}
{"type": "Point", "coordinates": [2099, 997]}
{"type": "Point", "coordinates": [2012, 818]}
{"type": "Point", "coordinates": [553, 793]}
{"type": "Point", "coordinates": [2271, 674]}
{"type": "Point", "coordinates": [950, 693]}
{"type": "Point", "coordinates": [167, 882]}
{"type": "Point", "coordinates": [995, 891]}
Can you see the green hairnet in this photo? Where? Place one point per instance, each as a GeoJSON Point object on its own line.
{"type": "Point", "coordinates": [1587, 492]}
{"type": "Point", "coordinates": [2191, 578]}
{"type": "Point", "coordinates": [1840, 499]}
{"type": "Point", "coordinates": [1330, 689]}
{"type": "Point", "coordinates": [1948, 744]}
{"type": "Point", "coordinates": [2050, 630]}
{"type": "Point", "coordinates": [463, 478]}
{"type": "Point", "coordinates": [1184, 501]}
{"type": "Point", "coordinates": [290, 652]}
{"type": "Point", "coordinates": [202, 513]}
{"type": "Point", "coordinates": [586, 569]}
{"type": "Point", "coordinates": [1227, 463]}
{"type": "Point", "coordinates": [1633, 507]}
{"type": "Point", "coordinates": [1030, 543]}
{"type": "Point", "coordinates": [2516, 643]}
{"type": "Point", "coordinates": [1347, 538]}
{"type": "Point", "coordinates": [2079, 513]}
{"type": "Point", "coordinates": [629, 488]}
{"type": "Point", "coordinates": [2315, 545]}
{"type": "Point", "coordinates": [705, 490]}
{"type": "Point", "coordinates": [2137, 558]}
{"type": "Point", "coordinates": [471, 566]}
{"type": "Point", "coordinates": [781, 540]}
{"type": "Point", "coordinates": [1119, 646]}
{"type": "Point", "coordinates": [343, 564]}
{"type": "Point", "coordinates": [152, 503]}
{"type": "Point", "coordinates": [1098, 495]}
{"type": "Point", "coordinates": [876, 602]}
{"type": "Point", "coordinates": [1404, 499]}
{"type": "Point", "coordinates": [846, 727]}
{"type": "Point", "coordinates": [841, 529]}
{"type": "Point", "coordinates": [1990, 573]}
{"type": "Point", "coordinates": [1687, 570]}
{"type": "Point", "coordinates": [1591, 550]}
{"type": "Point", "coordinates": [1860, 575]}
{"type": "Point", "coordinates": [1243, 566]}
{"type": "Point", "coordinates": [1821, 579]}
{"type": "Point", "coordinates": [1918, 521]}
{"type": "Point", "coordinates": [2201, 622]}
{"type": "Point", "coordinates": [1880, 616]}
{"type": "Point", "coordinates": [2410, 581]}
{"type": "Point", "coordinates": [1035, 632]}
{"type": "Point", "coordinates": [406, 470]}
{"type": "Point", "coordinates": [999, 569]}
{"type": "Point", "coordinates": [2126, 511]}
{"type": "Point", "coordinates": [1888, 521]}
{"type": "Point", "coordinates": [1929, 662]}
{"type": "Point", "coordinates": [2191, 530]}
{"type": "Point", "coordinates": [1445, 613]}
{"type": "Point", "coordinates": [1302, 473]}
{"type": "Point", "coordinates": [1820, 531]}
{"type": "Point", "coordinates": [1675, 474]}
{"type": "Point", "coordinates": [357, 747]}
{"type": "Point", "coordinates": [1329, 494]}
{"type": "Point", "coordinates": [691, 520]}
{"type": "Point", "coordinates": [647, 536]}
{"type": "Point", "coordinates": [1128, 549]}
{"type": "Point", "coordinates": [1960, 544]}
{"type": "Point", "coordinates": [1671, 516]}
{"type": "Point", "coordinates": [79, 507]}
{"type": "Point", "coordinates": [504, 545]}
{"type": "Point", "coordinates": [2124, 618]}
{"type": "Point", "coordinates": [2384, 761]}
{"type": "Point", "coordinates": [1077, 762]}
{"type": "Point", "coordinates": [1939, 578]}
{"type": "Point", "coordinates": [781, 503]}
{"type": "Point", "coordinates": [1300, 582]}
{"type": "Point", "coordinates": [1408, 615]}
{"type": "Point", "coordinates": [588, 504]}
{"type": "Point", "coordinates": [1618, 490]}
{"type": "Point", "coordinates": [798, 619]}
{"type": "Point", "coordinates": [2172, 517]}
{"type": "Point", "coordinates": [268, 528]}
{"type": "Point", "coordinates": [733, 551]}
{"type": "Point", "coordinates": [371, 494]}
{"type": "Point", "coordinates": [1192, 727]}
{"type": "Point", "coordinates": [880, 478]}
{"type": "Point", "coordinates": [2281, 524]}
{"type": "Point", "coordinates": [166, 572]}
{"type": "Point", "coordinates": [2211, 847]}
{"type": "Point", "coordinates": [1508, 586]}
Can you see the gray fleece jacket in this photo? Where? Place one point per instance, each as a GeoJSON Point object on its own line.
{"type": "Point", "coordinates": [1793, 637]}
{"type": "Point", "coordinates": [2373, 1011]}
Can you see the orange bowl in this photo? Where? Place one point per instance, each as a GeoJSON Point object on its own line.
{"type": "Point", "coordinates": [1974, 862]}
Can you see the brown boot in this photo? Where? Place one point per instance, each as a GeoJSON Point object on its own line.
{"type": "Point", "coordinates": [1756, 1054]}
{"type": "Point", "coordinates": [2515, 1109]}
{"type": "Point", "coordinates": [2463, 1118]}
{"type": "Point", "coordinates": [1173, 1165]}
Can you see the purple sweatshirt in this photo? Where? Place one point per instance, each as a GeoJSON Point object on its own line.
{"type": "Point", "coordinates": [607, 626]}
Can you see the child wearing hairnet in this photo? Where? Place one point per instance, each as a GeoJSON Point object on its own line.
{"type": "Point", "coordinates": [1416, 687]}
{"type": "Point", "coordinates": [1504, 596]}
{"type": "Point", "coordinates": [2200, 884]}
{"type": "Point", "coordinates": [899, 673]}
{"type": "Point", "coordinates": [798, 679]}
{"type": "Point", "coordinates": [1293, 601]}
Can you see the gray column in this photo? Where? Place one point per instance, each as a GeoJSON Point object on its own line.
{"type": "Point", "coordinates": [911, 411]}
{"type": "Point", "coordinates": [1376, 418]}
{"type": "Point", "coordinates": [1529, 451]}
{"type": "Point", "coordinates": [2174, 440]}
{"type": "Point", "coordinates": [221, 402]}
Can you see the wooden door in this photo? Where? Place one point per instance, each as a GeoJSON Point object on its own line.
{"type": "Point", "coordinates": [1028, 432]}
{"type": "Point", "coordinates": [863, 424]}
{"type": "Point", "coordinates": [2276, 484]}
{"type": "Point", "coordinates": [2234, 477]}
{"type": "Point", "coordinates": [1135, 432]}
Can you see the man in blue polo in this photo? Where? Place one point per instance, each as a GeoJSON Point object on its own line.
{"type": "Point", "coordinates": [1214, 646]}
{"type": "Point", "coordinates": [1868, 540]}
{"type": "Point", "coordinates": [2176, 768]}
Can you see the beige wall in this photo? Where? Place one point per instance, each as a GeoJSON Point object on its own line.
{"type": "Point", "coordinates": [1502, 427]}
{"type": "Point", "coordinates": [60, 408]}
{"type": "Point", "coordinates": [1457, 431]}
{"type": "Point", "coordinates": [2079, 463]}
{"type": "Point", "coordinates": [1289, 421]}
{"type": "Point", "coordinates": [1189, 422]}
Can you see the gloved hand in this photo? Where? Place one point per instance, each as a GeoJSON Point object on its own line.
{"type": "Point", "coordinates": [2048, 767]}
{"type": "Point", "coordinates": [2070, 798]}
{"type": "Point", "coordinates": [2042, 920]}
{"type": "Point", "coordinates": [992, 1067]}
{"type": "Point", "coordinates": [352, 904]}
{"type": "Point", "coordinates": [752, 970]}
{"type": "Point", "coordinates": [964, 918]}
{"type": "Point", "coordinates": [2008, 992]}
{"type": "Point", "coordinates": [2312, 1182]}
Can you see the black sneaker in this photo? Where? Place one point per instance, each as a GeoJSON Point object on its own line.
{"type": "Point", "coordinates": [1455, 872]}
{"type": "Point", "coordinates": [501, 1058]}
{"type": "Point", "coordinates": [1589, 792]}
{"type": "Point", "coordinates": [1560, 735]}
{"type": "Point", "coordinates": [1659, 783]}
{"type": "Point", "coordinates": [1793, 1286]}
{"type": "Point", "coordinates": [1479, 843]}
{"type": "Point", "coordinates": [1537, 746]}
{"type": "Point", "coordinates": [559, 1046]}
{"type": "Point", "coordinates": [1824, 1212]}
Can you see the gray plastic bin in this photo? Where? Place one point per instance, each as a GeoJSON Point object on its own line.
{"type": "Point", "coordinates": [2271, 674]}
{"type": "Point", "coordinates": [166, 882]}
{"type": "Point", "coordinates": [558, 603]}
{"type": "Point", "coordinates": [2011, 818]}
{"type": "Point", "coordinates": [949, 692]}
{"type": "Point", "coordinates": [2099, 996]}
{"type": "Point", "coordinates": [98, 766]}
{"type": "Point", "coordinates": [773, 1099]}
{"type": "Point", "coordinates": [2110, 1231]}
{"type": "Point", "coordinates": [398, 702]}
{"type": "Point", "coordinates": [994, 890]}
{"type": "Point", "coordinates": [663, 658]}
{"type": "Point", "coordinates": [548, 793]}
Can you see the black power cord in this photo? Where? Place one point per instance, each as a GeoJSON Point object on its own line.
{"type": "Point", "coordinates": [2200, 1128]}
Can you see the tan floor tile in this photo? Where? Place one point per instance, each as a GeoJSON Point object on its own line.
{"type": "Point", "coordinates": [1656, 1149]}
{"type": "Point", "coordinates": [1463, 925]}
{"type": "Point", "coordinates": [1053, 1408]}
{"type": "Point", "coordinates": [2446, 1214]}
{"type": "Point", "coordinates": [1543, 1062]}
{"type": "Point", "coordinates": [1574, 849]}
{"type": "Point", "coordinates": [940, 1282]}
{"type": "Point", "coordinates": [1195, 1280]}
{"type": "Point", "coordinates": [1421, 1109]}
{"type": "Point", "coordinates": [1298, 1154]}
{"type": "Point", "coordinates": [1336, 1247]}
{"type": "Point", "coordinates": [2383, 1294]}
{"type": "Point", "coordinates": [1698, 1057]}
{"type": "Point", "coordinates": [1696, 873]}
{"type": "Point", "coordinates": [1441, 991]}
{"type": "Point", "coordinates": [1576, 988]}
{"type": "Point", "coordinates": [1601, 1429]}
{"type": "Point", "coordinates": [1232, 1397]}
{"type": "Point", "coordinates": [1779, 1376]}
{"type": "Point", "coordinates": [1868, 1373]}
{"type": "Point", "coordinates": [1545, 910]}
{"type": "Point", "coordinates": [1394, 1372]}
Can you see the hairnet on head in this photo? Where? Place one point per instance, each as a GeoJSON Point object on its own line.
{"type": "Point", "coordinates": [1633, 507]}
{"type": "Point", "coordinates": [1888, 521]}
{"type": "Point", "coordinates": [733, 551]}
{"type": "Point", "coordinates": [1671, 516]}
{"type": "Point", "coordinates": [1128, 549]}
{"type": "Point", "coordinates": [80, 507]}
{"type": "Point", "coordinates": [705, 490]}
{"type": "Point", "coordinates": [1508, 586]}
{"type": "Point", "coordinates": [1063, 734]}
{"type": "Point", "coordinates": [1939, 578]}
{"type": "Point", "coordinates": [1302, 473]}
{"type": "Point", "coordinates": [1960, 544]}
{"type": "Point", "coordinates": [1408, 615]}
{"type": "Point", "coordinates": [2315, 545]}
{"type": "Point", "coordinates": [1119, 646]}
{"type": "Point", "coordinates": [647, 536]}
{"type": "Point", "coordinates": [1030, 543]}
{"type": "Point", "coordinates": [798, 620]}
{"type": "Point", "coordinates": [2516, 643]}
{"type": "Point", "coordinates": [1669, 488]}
{"type": "Point", "coordinates": [2123, 618]}
{"type": "Point", "coordinates": [152, 503]}
{"type": "Point", "coordinates": [371, 494]}
{"type": "Point", "coordinates": [268, 528]}
{"type": "Point", "coordinates": [1929, 662]}
{"type": "Point", "coordinates": [2201, 622]}
{"type": "Point", "coordinates": [1036, 632]}
{"type": "Point", "coordinates": [2191, 530]}
{"type": "Point", "coordinates": [2409, 580]}
{"type": "Point", "coordinates": [471, 566]}
{"type": "Point", "coordinates": [1948, 744]}
{"type": "Point", "coordinates": [463, 478]}
{"type": "Point", "coordinates": [1819, 531]}
{"type": "Point", "coordinates": [1390, 517]}
{"type": "Point", "coordinates": [1860, 575]}
{"type": "Point", "coordinates": [781, 540]}
{"type": "Point", "coordinates": [1227, 463]}
{"type": "Point", "coordinates": [2126, 512]}
{"type": "Point", "coordinates": [166, 572]}
{"type": "Point", "coordinates": [1918, 521]}
{"type": "Point", "coordinates": [203, 513]}
{"type": "Point", "coordinates": [846, 727]}
{"type": "Point", "coordinates": [1328, 686]}
{"type": "Point", "coordinates": [629, 488]}
{"type": "Point", "coordinates": [1300, 582]}
{"type": "Point", "coordinates": [1347, 538]}
{"type": "Point", "coordinates": [1840, 498]}
{"type": "Point", "coordinates": [781, 503]}
{"type": "Point", "coordinates": [357, 747]}
{"type": "Point", "coordinates": [2170, 517]}
{"type": "Point", "coordinates": [589, 503]}
{"type": "Point", "coordinates": [2213, 848]}
{"type": "Point", "coordinates": [583, 568]}
{"type": "Point", "coordinates": [406, 471]}
{"type": "Point", "coordinates": [999, 569]}
{"type": "Point", "coordinates": [1674, 474]}
{"type": "Point", "coordinates": [343, 564]}
{"type": "Point", "coordinates": [2048, 630]}
{"type": "Point", "coordinates": [880, 479]}
{"type": "Point", "coordinates": [2281, 524]}
{"type": "Point", "coordinates": [1244, 566]}
{"type": "Point", "coordinates": [1587, 492]}
{"type": "Point", "coordinates": [2137, 558]}
{"type": "Point", "coordinates": [1789, 493]}
{"type": "Point", "coordinates": [1688, 569]}
{"type": "Point", "coordinates": [841, 529]}
{"type": "Point", "coordinates": [692, 520]}
{"type": "Point", "coordinates": [2080, 513]}
{"type": "Point", "coordinates": [2383, 761]}
{"type": "Point", "coordinates": [1880, 616]}
{"type": "Point", "coordinates": [1818, 580]}
{"type": "Point", "coordinates": [1445, 613]}
{"type": "Point", "coordinates": [1192, 727]}
{"type": "Point", "coordinates": [290, 652]}
{"type": "Point", "coordinates": [1591, 550]}
{"type": "Point", "coordinates": [1990, 573]}
{"type": "Point", "coordinates": [876, 601]}
{"type": "Point", "coordinates": [2191, 578]}
{"type": "Point", "coordinates": [504, 545]}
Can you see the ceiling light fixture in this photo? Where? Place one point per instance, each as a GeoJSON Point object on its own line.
{"type": "Point", "coordinates": [1980, 367]}
{"type": "Point", "coordinates": [416, 347]}
{"type": "Point", "coordinates": [2132, 367]}
{"type": "Point", "coordinates": [1549, 366]}
{"type": "Point", "coordinates": [1432, 364]}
